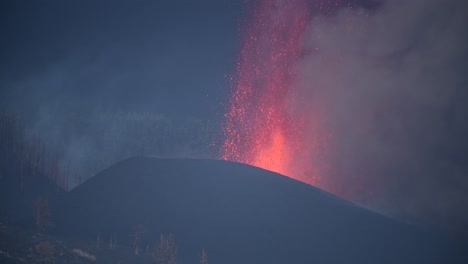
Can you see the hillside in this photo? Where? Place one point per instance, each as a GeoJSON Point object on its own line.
{"type": "Point", "coordinates": [239, 214]}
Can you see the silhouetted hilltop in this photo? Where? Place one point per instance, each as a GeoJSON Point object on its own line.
{"type": "Point", "coordinates": [239, 214]}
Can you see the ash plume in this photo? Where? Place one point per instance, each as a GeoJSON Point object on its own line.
{"type": "Point", "coordinates": [389, 84]}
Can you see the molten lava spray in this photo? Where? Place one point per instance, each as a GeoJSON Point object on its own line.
{"type": "Point", "coordinates": [259, 128]}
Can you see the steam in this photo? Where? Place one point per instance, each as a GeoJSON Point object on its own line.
{"type": "Point", "coordinates": [390, 87]}
{"type": "Point", "coordinates": [85, 137]}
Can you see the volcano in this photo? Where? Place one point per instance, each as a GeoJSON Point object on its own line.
{"type": "Point", "coordinates": [240, 214]}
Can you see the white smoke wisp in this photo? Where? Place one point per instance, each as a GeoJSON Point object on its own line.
{"type": "Point", "coordinates": [389, 85]}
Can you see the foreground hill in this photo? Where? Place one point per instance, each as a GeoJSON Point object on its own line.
{"type": "Point", "coordinates": [239, 214]}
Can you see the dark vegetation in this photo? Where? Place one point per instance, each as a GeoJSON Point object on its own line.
{"type": "Point", "coordinates": [35, 175]}
{"type": "Point", "coordinates": [168, 211]}
{"type": "Point", "coordinates": [30, 178]}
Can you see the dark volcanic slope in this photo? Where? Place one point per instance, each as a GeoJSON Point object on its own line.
{"type": "Point", "coordinates": [240, 214]}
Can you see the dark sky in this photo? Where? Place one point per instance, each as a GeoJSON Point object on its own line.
{"type": "Point", "coordinates": [157, 56]}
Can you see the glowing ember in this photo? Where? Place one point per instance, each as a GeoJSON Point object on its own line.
{"type": "Point", "coordinates": [259, 130]}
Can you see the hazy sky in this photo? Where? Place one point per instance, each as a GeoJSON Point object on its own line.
{"type": "Point", "coordinates": [161, 56]}
{"type": "Point", "coordinates": [158, 56]}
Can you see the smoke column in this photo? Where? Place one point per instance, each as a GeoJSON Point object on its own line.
{"type": "Point", "coordinates": [390, 83]}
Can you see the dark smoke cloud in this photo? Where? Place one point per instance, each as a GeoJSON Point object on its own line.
{"type": "Point", "coordinates": [390, 85]}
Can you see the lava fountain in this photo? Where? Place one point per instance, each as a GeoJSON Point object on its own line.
{"type": "Point", "coordinates": [259, 128]}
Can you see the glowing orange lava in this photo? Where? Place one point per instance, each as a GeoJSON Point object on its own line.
{"type": "Point", "coordinates": [258, 128]}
